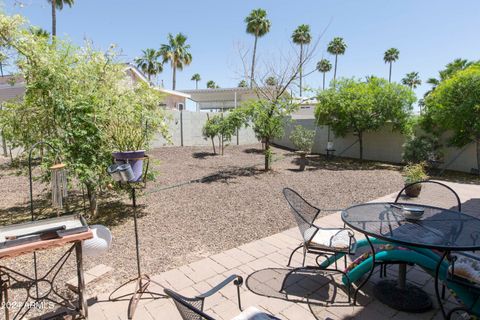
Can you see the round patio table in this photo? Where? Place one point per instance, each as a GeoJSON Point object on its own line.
{"type": "Point", "coordinates": [438, 229]}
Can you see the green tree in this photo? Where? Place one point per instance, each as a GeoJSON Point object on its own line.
{"type": "Point", "coordinates": [268, 119]}
{"type": "Point", "coordinates": [336, 47]}
{"type": "Point", "coordinates": [3, 61]}
{"type": "Point", "coordinates": [258, 25]}
{"type": "Point", "coordinates": [271, 81]}
{"type": "Point", "coordinates": [177, 52]}
{"type": "Point", "coordinates": [73, 99]}
{"type": "Point", "coordinates": [412, 80]}
{"type": "Point", "coordinates": [149, 63]}
{"type": "Point", "coordinates": [211, 84]}
{"type": "Point", "coordinates": [242, 84]}
{"type": "Point", "coordinates": [196, 77]}
{"type": "Point", "coordinates": [211, 129]}
{"type": "Point", "coordinates": [454, 106]}
{"type": "Point", "coordinates": [58, 5]}
{"type": "Point", "coordinates": [390, 56]}
{"type": "Point", "coordinates": [324, 66]}
{"type": "Point", "coordinates": [359, 107]}
{"type": "Point", "coordinates": [301, 36]}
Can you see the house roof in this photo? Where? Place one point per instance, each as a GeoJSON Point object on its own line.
{"type": "Point", "coordinates": [142, 77]}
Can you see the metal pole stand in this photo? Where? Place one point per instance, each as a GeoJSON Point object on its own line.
{"type": "Point", "coordinates": [142, 280]}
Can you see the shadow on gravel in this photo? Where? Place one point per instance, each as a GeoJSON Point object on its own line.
{"type": "Point", "coordinates": [203, 155]}
{"type": "Point", "coordinates": [231, 174]}
{"type": "Point", "coordinates": [254, 150]}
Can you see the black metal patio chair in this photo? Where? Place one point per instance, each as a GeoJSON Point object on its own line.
{"type": "Point", "coordinates": [322, 242]}
{"type": "Point", "coordinates": [430, 193]}
{"type": "Point", "coordinates": [192, 308]}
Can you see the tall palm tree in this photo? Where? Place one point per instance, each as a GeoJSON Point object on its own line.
{"type": "Point", "coordinates": [39, 32]}
{"type": "Point", "coordinates": [211, 84]}
{"type": "Point", "coordinates": [390, 56]}
{"type": "Point", "coordinates": [301, 36]}
{"type": "Point", "coordinates": [324, 66]}
{"type": "Point", "coordinates": [58, 4]}
{"type": "Point", "coordinates": [196, 78]}
{"type": "Point", "coordinates": [258, 25]}
{"type": "Point", "coordinates": [242, 84]}
{"type": "Point", "coordinates": [177, 52]}
{"type": "Point", "coordinates": [412, 80]}
{"type": "Point", "coordinates": [149, 63]}
{"type": "Point", "coordinates": [336, 47]}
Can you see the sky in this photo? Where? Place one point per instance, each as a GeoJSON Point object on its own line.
{"type": "Point", "coordinates": [428, 33]}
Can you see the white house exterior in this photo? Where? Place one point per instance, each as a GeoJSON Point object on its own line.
{"type": "Point", "coordinates": [220, 99]}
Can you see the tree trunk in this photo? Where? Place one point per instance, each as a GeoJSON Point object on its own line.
{"type": "Point", "coordinates": [323, 81]}
{"type": "Point", "coordinates": [196, 84]}
{"type": "Point", "coordinates": [360, 141]}
{"type": "Point", "coordinates": [253, 60]}
{"type": "Point", "coordinates": [267, 154]}
{"type": "Point", "coordinates": [335, 69]}
{"type": "Point", "coordinates": [1, 68]}
{"type": "Point", "coordinates": [301, 65]}
{"type": "Point", "coordinates": [478, 155]}
{"type": "Point", "coordinates": [174, 81]}
{"type": "Point", "coordinates": [54, 18]}
{"type": "Point", "coordinates": [222, 143]}
{"type": "Point", "coordinates": [4, 146]}
{"type": "Point", "coordinates": [213, 145]}
{"type": "Point", "coordinates": [390, 73]}
{"type": "Point", "coordinates": [92, 200]}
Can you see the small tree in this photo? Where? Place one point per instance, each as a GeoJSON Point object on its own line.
{"type": "Point", "coordinates": [211, 84]}
{"type": "Point", "coordinates": [211, 130]}
{"type": "Point", "coordinates": [302, 139]}
{"type": "Point", "coordinates": [359, 107]}
{"type": "Point", "coordinates": [242, 84]}
{"type": "Point", "coordinates": [454, 106]}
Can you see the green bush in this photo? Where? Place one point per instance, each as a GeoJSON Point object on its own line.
{"type": "Point", "coordinates": [302, 138]}
{"type": "Point", "coordinates": [421, 149]}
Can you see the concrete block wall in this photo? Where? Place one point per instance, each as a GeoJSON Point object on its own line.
{"type": "Point", "coordinates": [187, 125]}
{"type": "Point", "coordinates": [383, 145]}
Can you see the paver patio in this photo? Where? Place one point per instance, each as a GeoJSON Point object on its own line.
{"type": "Point", "coordinates": [262, 264]}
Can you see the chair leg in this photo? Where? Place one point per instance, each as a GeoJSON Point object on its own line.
{"type": "Point", "coordinates": [304, 256]}
{"type": "Point", "coordinates": [291, 255]}
{"type": "Point", "coordinates": [443, 291]}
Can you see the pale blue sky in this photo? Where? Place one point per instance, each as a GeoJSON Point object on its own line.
{"type": "Point", "coordinates": [428, 33]}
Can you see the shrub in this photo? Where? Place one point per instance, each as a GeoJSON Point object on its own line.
{"type": "Point", "coordinates": [302, 138]}
{"type": "Point", "coordinates": [421, 149]}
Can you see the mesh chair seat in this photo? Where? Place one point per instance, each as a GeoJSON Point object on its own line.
{"type": "Point", "coordinates": [337, 239]}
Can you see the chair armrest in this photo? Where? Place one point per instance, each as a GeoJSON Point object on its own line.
{"type": "Point", "coordinates": [237, 280]}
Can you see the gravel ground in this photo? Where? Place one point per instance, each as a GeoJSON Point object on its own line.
{"type": "Point", "coordinates": [239, 204]}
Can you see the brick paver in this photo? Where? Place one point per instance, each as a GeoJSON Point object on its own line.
{"type": "Point", "coordinates": [273, 252]}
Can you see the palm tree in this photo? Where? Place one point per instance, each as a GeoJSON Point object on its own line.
{"type": "Point", "coordinates": [242, 84]}
{"type": "Point", "coordinates": [271, 81]}
{"type": "Point", "coordinates": [58, 4]}
{"type": "Point", "coordinates": [324, 66]}
{"type": "Point", "coordinates": [211, 84]}
{"type": "Point", "coordinates": [39, 32]}
{"type": "Point", "coordinates": [149, 63]}
{"type": "Point", "coordinates": [177, 52]}
{"type": "Point", "coordinates": [258, 25]}
{"type": "Point", "coordinates": [390, 56]}
{"type": "Point", "coordinates": [412, 80]}
{"type": "Point", "coordinates": [196, 78]}
{"type": "Point", "coordinates": [336, 47]}
{"type": "Point", "coordinates": [301, 36]}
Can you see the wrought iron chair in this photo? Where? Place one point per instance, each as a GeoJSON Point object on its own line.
{"type": "Point", "coordinates": [322, 242]}
{"type": "Point", "coordinates": [192, 308]}
{"type": "Point", "coordinates": [431, 193]}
